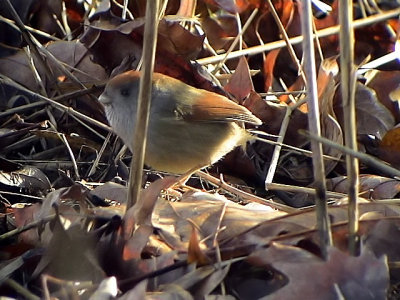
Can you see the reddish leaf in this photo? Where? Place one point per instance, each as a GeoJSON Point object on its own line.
{"type": "Point", "coordinates": [330, 128]}
{"type": "Point", "coordinates": [186, 8]}
{"type": "Point", "coordinates": [195, 253]}
{"type": "Point", "coordinates": [232, 6]}
{"type": "Point", "coordinates": [220, 30]}
{"type": "Point", "coordinates": [269, 64]}
{"type": "Point", "coordinates": [240, 84]}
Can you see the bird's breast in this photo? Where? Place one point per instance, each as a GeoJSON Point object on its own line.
{"type": "Point", "coordinates": [177, 146]}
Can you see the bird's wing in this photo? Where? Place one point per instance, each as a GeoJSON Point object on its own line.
{"type": "Point", "coordinates": [213, 107]}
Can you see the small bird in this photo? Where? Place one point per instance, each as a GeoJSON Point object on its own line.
{"type": "Point", "coordinates": [188, 127]}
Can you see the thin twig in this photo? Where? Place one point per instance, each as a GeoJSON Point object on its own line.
{"type": "Point", "coordinates": [142, 116]}
{"type": "Point", "coordinates": [60, 98]}
{"type": "Point", "coordinates": [302, 189]}
{"type": "Point", "coordinates": [29, 39]}
{"type": "Point", "coordinates": [348, 87]}
{"type": "Point", "coordinates": [99, 155]}
{"type": "Point", "coordinates": [21, 290]}
{"type": "Point", "coordinates": [30, 29]}
{"type": "Point", "coordinates": [278, 144]}
{"type": "Point", "coordinates": [26, 227]}
{"type": "Point", "coordinates": [236, 40]}
{"type": "Point", "coordinates": [315, 127]}
{"type": "Point", "coordinates": [298, 39]}
{"type": "Point", "coordinates": [20, 195]}
{"type": "Point", "coordinates": [64, 19]}
{"type": "Point", "coordinates": [92, 130]}
{"type": "Point", "coordinates": [277, 150]}
{"type": "Point", "coordinates": [283, 32]}
{"type": "Point", "coordinates": [21, 108]}
{"type": "Point", "coordinates": [281, 136]}
{"type": "Point", "coordinates": [124, 9]}
{"type": "Point", "coordinates": [64, 140]}
{"type": "Point", "coordinates": [71, 154]}
{"type": "Point", "coordinates": [66, 109]}
{"type": "Point", "coordinates": [248, 197]}
{"type": "Point", "coordinates": [57, 63]}
{"type": "Point", "coordinates": [35, 72]}
{"type": "Point", "coordinates": [376, 63]}
{"type": "Point", "coordinates": [369, 160]}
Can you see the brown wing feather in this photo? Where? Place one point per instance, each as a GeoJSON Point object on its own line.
{"type": "Point", "coordinates": [193, 104]}
{"type": "Point", "coordinates": [213, 107]}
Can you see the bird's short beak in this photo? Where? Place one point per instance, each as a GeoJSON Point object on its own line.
{"type": "Point", "coordinates": [104, 99]}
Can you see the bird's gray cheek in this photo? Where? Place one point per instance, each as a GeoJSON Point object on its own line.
{"type": "Point", "coordinates": [112, 115]}
{"type": "Point", "coordinates": [120, 117]}
{"type": "Point", "coordinates": [108, 111]}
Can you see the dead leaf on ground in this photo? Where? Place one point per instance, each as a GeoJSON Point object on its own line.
{"type": "Point", "coordinates": [341, 275]}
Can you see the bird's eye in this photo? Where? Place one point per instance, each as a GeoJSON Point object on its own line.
{"type": "Point", "coordinates": [124, 92]}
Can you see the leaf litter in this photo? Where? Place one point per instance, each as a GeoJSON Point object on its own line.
{"type": "Point", "coordinates": [65, 233]}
